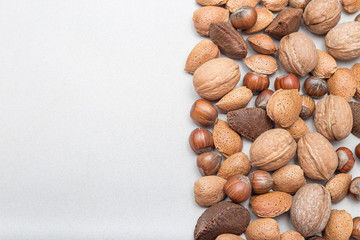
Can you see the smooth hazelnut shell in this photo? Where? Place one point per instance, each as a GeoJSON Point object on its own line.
{"type": "Point", "coordinates": [307, 107]}
{"type": "Point", "coordinates": [244, 18]}
{"type": "Point", "coordinates": [201, 140]}
{"type": "Point", "coordinates": [315, 87]}
{"type": "Point", "coordinates": [289, 81]}
{"type": "Point", "coordinates": [354, 188]}
{"type": "Point", "coordinates": [346, 159]}
{"type": "Point", "coordinates": [208, 163]}
{"type": "Point", "coordinates": [356, 228]}
{"type": "Point", "coordinates": [203, 113]}
{"type": "Point", "coordinates": [263, 98]}
{"type": "Point", "coordinates": [357, 151]}
{"type": "Point", "coordinates": [261, 181]}
{"type": "Point", "coordinates": [256, 82]}
{"type": "Point", "coordinates": [238, 188]}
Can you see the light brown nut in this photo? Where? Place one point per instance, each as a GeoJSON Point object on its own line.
{"type": "Point", "coordinates": [270, 204]}
{"type": "Point", "coordinates": [325, 65]}
{"type": "Point", "coordinates": [310, 210]}
{"type": "Point", "coordinates": [284, 107]}
{"type": "Point", "coordinates": [297, 53]}
{"type": "Point", "coordinates": [339, 226]}
{"type": "Point", "coordinates": [307, 106]}
{"type": "Point", "coordinates": [298, 129]}
{"type": "Point", "coordinates": [289, 179]}
{"type": "Point", "coordinates": [333, 118]}
{"type": "Point", "coordinates": [262, 43]}
{"type": "Point", "coordinates": [338, 186]}
{"type": "Point", "coordinates": [234, 5]}
{"type": "Point", "coordinates": [275, 5]}
{"type": "Point", "coordinates": [236, 164]}
{"type": "Point", "coordinates": [343, 41]}
{"type": "Point", "coordinates": [263, 229]}
{"type": "Point", "coordinates": [272, 150]}
{"type": "Point", "coordinates": [203, 52]}
{"type": "Point", "coordinates": [215, 78]}
{"type": "Point", "coordinates": [227, 236]}
{"type": "Point", "coordinates": [264, 18]}
{"type": "Point", "coordinates": [316, 156]}
{"type": "Point", "coordinates": [226, 140]}
{"type": "Point", "coordinates": [291, 235]}
{"type": "Point", "coordinates": [209, 190]}
{"type": "Point", "coordinates": [356, 71]}
{"type": "Point", "coordinates": [263, 64]}
{"type": "Point", "coordinates": [342, 83]}
{"type": "Point", "coordinates": [322, 15]}
{"type": "Point", "coordinates": [211, 2]}
{"type": "Point", "coordinates": [204, 16]}
{"type": "Point", "coordinates": [350, 6]}
{"type": "Point", "coordinates": [298, 3]}
{"type": "Point", "coordinates": [237, 98]}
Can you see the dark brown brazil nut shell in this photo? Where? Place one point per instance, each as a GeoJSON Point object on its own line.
{"type": "Point", "coordinates": [355, 108]}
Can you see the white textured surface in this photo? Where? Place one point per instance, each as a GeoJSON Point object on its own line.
{"type": "Point", "coordinates": [95, 120]}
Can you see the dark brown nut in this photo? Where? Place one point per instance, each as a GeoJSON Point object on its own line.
{"type": "Point", "coordinates": [208, 163]}
{"type": "Point", "coordinates": [238, 188]}
{"type": "Point", "coordinates": [261, 181]}
{"type": "Point", "coordinates": [350, 6]}
{"type": "Point", "coordinates": [346, 159]}
{"type": "Point", "coordinates": [264, 18]}
{"type": "Point", "coordinates": [357, 18]}
{"type": "Point", "coordinates": [203, 113]}
{"type": "Point", "coordinates": [339, 226]}
{"type": "Point", "coordinates": [236, 164]}
{"type": "Point", "coordinates": [286, 22]}
{"type": "Point", "coordinates": [229, 41]}
{"type": "Point", "coordinates": [262, 100]}
{"type": "Point", "coordinates": [204, 16]}
{"type": "Point", "coordinates": [263, 229]}
{"type": "Point", "coordinates": [322, 15]}
{"type": "Point", "coordinates": [289, 179]}
{"type": "Point", "coordinates": [307, 107]}
{"type": "Point", "coordinates": [315, 87]}
{"type": "Point", "coordinates": [289, 81]}
{"type": "Point", "coordinates": [243, 18]}
{"type": "Point", "coordinates": [224, 217]}
{"type": "Point", "coordinates": [201, 140]}
{"type": "Point", "coordinates": [338, 186]}
{"type": "Point", "coordinates": [355, 108]}
{"type": "Point", "coordinates": [256, 82]}
{"type": "Point", "coordinates": [354, 188]}
{"type": "Point", "coordinates": [298, 3]}
{"type": "Point", "coordinates": [270, 204]}
{"type": "Point", "coordinates": [262, 43]}
{"type": "Point", "coordinates": [249, 122]}
{"type": "Point", "coordinates": [357, 150]}
{"type": "Point", "coordinates": [342, 83]}
{"type": "Point", "coordinates": [356, 228]}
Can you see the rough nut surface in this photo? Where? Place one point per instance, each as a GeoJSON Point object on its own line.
{"type": "Point", "coordinates": [298, 129]}
{"type": "Point", "coordinates": [310, 210]}
{"type": "Point", "coordinates": [356, 71]}
{"type": "Point", "coordinates": [338, 186]}
{"type": "Point", "coordinates": [236, 164]}
{"type": "Point", "coordinates": [224, 217]}
{"type": "Point", "coordinates": [298, 3]}
{"type": "Point", "coordinates": [289, 179]}
{"type": "Point", "coordinates": [333, 118]}
{"type": "Point", "coordinates": [262, 43]}
{"type": "Point", "coordinates": [204, 16]}
{"type": "Point", "coordinates": [270, 204]}
{"type": "Point", "coordinates": [340, 225]}
{"type": "Point", "coordinates": [350, 6]}
{"type": "Point", "coordinates": [209, 190]}
{"type": "Point", "coordinates": [263, 64]}
{"type": "Point", "coordinates": [343, 41]}
{"type": "Point", "coordinates": [275, 5]}
{"type": "Point", "coordinates": [249, 122]}
{"type": "Point", "coordinates": [215, 78]}
{"type": "Point", "coordinates": [203, 52]}
{"type": "Point", "coordinates": [297, 53]}
{"type": "Point", "coordinates": [234, 5]}
{"type": "Point", "coordinates": [226, 140]}
{"type": "Point", "coordinates": [342, 83]}
{"type": "Point", "coordinates": [355, 108]}
{"type": "Point", "coordinates": [263, 229]}
{"type": "Point", "coordinates": [316, 156]}
{"type": "Point", "coordinates": [291, 235]}
{"type": "Point", "coordinates": [272, 149]}
{"type": "Point", "coordinates": [264, 18]}
{"type": "Point", "coordinates": [284, 107]}
{"type": "Point", "coordinates": [211, 2]}
{"type": "Point", "coordinates": [325, 65]}
{"type": "Point", "coordinates": [237, 98]}
{"type": "Point", "coordinates": [227, 236]}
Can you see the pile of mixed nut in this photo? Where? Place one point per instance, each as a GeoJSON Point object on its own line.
{"type": "Point", "coordinates": [276, 125]}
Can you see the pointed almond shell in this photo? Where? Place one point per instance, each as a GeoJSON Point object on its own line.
{"type": "Point", "coordinates": [262, 64]}
{"type": "Point", "coordinates": [262, 43]}
{"type": "Point", "coordinates": [270, 204]}
{"type": "Point", "coordinates": [237, 98]}
{"type": "Point", "coordinates": [264, 18]}
{"type": "Point", "coordinates": [226, 140]}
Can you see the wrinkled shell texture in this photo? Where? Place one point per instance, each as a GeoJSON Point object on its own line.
{"type": "Point", "coordinates": [310, 210]}
{"type": "Point", "coordinates": [342, 83]}
{"type": "Point", "coordinates": [356, 71]}
{"type": "Point", "coordinates": [264, 18]}
{"type": "Point", "coordinates": [263, 229]}
{"type": "Point", "coordinates": [236, 164]}
{"type": "Point", "coordinates": [284, 107]}
{"type": "Point", "coordinates": [355, 107]}
{"type": "Point", "coordinates": [338, 186]}
{"type": "Point", "coordinates": [298, 129]}
{"type": "Point", "coordinates": [333, 118]}
{"type": "Point", "coordinates": [350, 6]}
{"type": "Point", "coordinates": [208, 190]}
{"type": "Point", "coordinates": [203, 52]}
{"type": "Point", "coordinates": [325, 65]}
{"type": "Point", "coordinates": [272, 150]}
{"type": "Point", "coordinates": [291, 235]}
{"type": "Point", "coordinates": [211, 2]}
{"type": "Point", "coordinates": [263, 64]}
{"type": "Point", "coordinates": [237, 98]}
{"type": "Point", "coordinates": [262, 43]}
{"type": "Point", "coordinates": [322, 15]}
{"type": "Point", "coordinates": [227, 236]}
{"type": "Point", "coordinates": [275, 5]}
{"type": "Point", "coordinates": [343, 41]}
{"type": "Point", "coordinates": [204, 16]}
{"type": "Point", "coordinates": [226, 140]}
{"type": "Point", "coordinates": [297, 53]}
{"type": "Point", "coordinates": [233, 5]}
{"type": "Point", "coordinates": [316, 156]}
{"type": "Point", "coordinates": [270, 204]}
{"type": "Point", "coordinates": [340, 225]}
{"type": "Point", "coordinates": [215, 78]}
{"type": "Point", "coordinates": [289, 179]}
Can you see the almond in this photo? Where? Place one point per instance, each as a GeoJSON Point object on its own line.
{"type": "Point", "coordinates": [262, 43]}
{"type": "Point", "coordinates": [237, 98]}
{"type": "Point", "coordinates": [356, 71]}
{"type": "Point", "coordinates": [263, 229]}
{"type": "Point", "coordinates": [209, 190]}
{"type": "Point", "coordinates": [211, 2]}
{"type": "Point", "coordinates": [275, 5]}
{"type": "Point", "coordinates": [263, 64]}
{"type": "Point", "coordinates": [270, 204]}
{"type": "Point", "coordinates": [298, 129]}
{"type": "Point", "coordinates": [342, 84]}
{"type": "Point", "coordinates": [236, 164]}
{"type": "Point", "coordinates": [226, 140]}
{"type": "Point", "coordinates": [264, 18]}
{"type": "Point", "coordinates": [204, 16]}
{"type": "Point", "coordinates": [338, 186]}
{"type": "Point", "coordinates": [291, 235]}
{"type": "Point", "coordinates": [340, 225]}
{"type": "Point", "coordinates": [228, 236]}
{"type": "Point", "coordinates": [325, 65]}
{"type": "Point", "coordinates": [350, 6]}
{"type": "Point", "coordinates": [234, 5]}
{"type": "Point", "coordinates": [289, 179]}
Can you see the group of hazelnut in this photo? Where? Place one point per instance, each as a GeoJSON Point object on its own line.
{"type": "Point", "coordinates": [264, 175]}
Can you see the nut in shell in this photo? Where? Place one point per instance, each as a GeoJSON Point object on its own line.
{"type": "Point", "coordinates": [263, 229]}
{"type": "Point", "coordinates": [355, 107]}
{"type": "Point", "coordinates": [291, 235]}
{"type": "Point", "coordinates": [204, 16]}
{"type": "Point", "coordinates": [264, 18]}
{"type": "Point", "coordinates": [226, 140]}
{"type": "Point", "coordinates": [261, 181]}
{"type": "Point", "coordinates": [289, 179]}
{"type": "Point", "coordinates": [338, 186]}
{"type": "Point", "coordinates": [243, 18]}
{"type": "Point", "coordinates": [234, 5]}
{"type": "Point", "coordinates": [342, 83]}
{"type": "Point", "coordinates": [211, 2]}
{"type": "Point", "coordinates": [350, 6]}
{"type": "Point", "coordinates": [237, 98]}
{"type": "Point", "coordinates": [209, 190]}
{"type": "Point", "coordinates": [315, 87]}
{"type": "Point", "coordinates": [307, 107]}
{"type": "Point", "coordinates": [208, 163]}
{"type": "Point", "coordinates": [263, 64]}
{"type": "Point", "coordinates": [262, 43]}
{"type": "Point", "coordinates": [270, 204]}
{"type": "Point", "coordinates": [298, 129]}
{"type": "Point", "coordinates": [339, 226]}
{"type": "Point", "coordinates": [298, 3]}
{"type": "Point", "coordinates": [356, 72]}
{"type": "Point", "coordinates": [263, 98]}
{"type": "Point", "coordinates": [346, 159]}
{"type": "Point", "coordinates": [228, 236]}
{"type": "Point", "coordinates": [325, 65]}
{"type": "Point", "coordinates": [356, 228]}
{"type": "Point", "coordinates": [236, 164]}
{"type": "Point", "coordinates": [354, 188]}
{"type": "Point", "coordinates": [238, 188]}
{"type": "Point", "coordinates": [201, 140]}
{"type": "Point", "coordinates": [275, 5]}
{"type": "Point", "coordinates": [203, 113]}
{"type": "Point", "coordinates": [256, 82]}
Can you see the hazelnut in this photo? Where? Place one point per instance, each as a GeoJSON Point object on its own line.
{"type": "Point", "coordinates": [357, 151]}
{"type": "Point", "coordinates": [244, 18]}
{"type": "Point", "coordinates": [203, 113]}
{"type": "Point", "coordinates": [356, 228]}
{"type": "Point", "coordinates": [354, 188]}
{"type": "Point", "coordinates": [238, 188]}
{"type": "Point", "coordinates": [346, 159]}
{"type": "Point", "coordinates": [357, 18]}
{"type": "Point", "coordinates": [201, 140]}
{"type": "Point", "coordinates": [208, 163]}
{"type": "Point", "coordinates": [256, 82]}
{"type": "Point", "coordinates": [307, 107]}
{"type": "Point", "coordinates": [289, 81]}
{"type": "Point", "coordinates": [315, 87]}
{"type": "Point", "coordinates": [261, 181]}
{"type": "Point", "coordinates": [262, 100]}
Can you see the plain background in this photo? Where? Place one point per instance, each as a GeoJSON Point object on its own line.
{"type": "Point", "coordinates": [94, 120]}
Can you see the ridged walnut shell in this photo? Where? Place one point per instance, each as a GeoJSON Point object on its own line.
{"type": "Point", "coordinates": [325, 65]}
{"type": "Point", "coordinates": [226, 140]}
{"type": "Point", "coordinates": [215, 78]}
{"type": "Point", "coordinates": [297, 53]}
{"type": "Point", "coordinates": [289, 179]}
{"type": "Point", "coordinates": [263, 229]}
{"type": "Point", "coordinates": [333, 118]}
{"type": "Point", "coordinates": [343, 41]}
{"type": "Point", "coordinates": [272, 150]}
{"type": "Point", "coordinates": [204, 16]}
{"type": "Point", "coordinates": [342, 83]}
{"type": "Point", "coordinates": [316, 156]}
{"type": "Point", "coordinates": [339, 226]}
{"type": "Point", "coordinates": [264, 18]}
{"type": "Point", "coordinates": [310, 210]}
{"type": "Point", "coordinates": [270, 204]}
